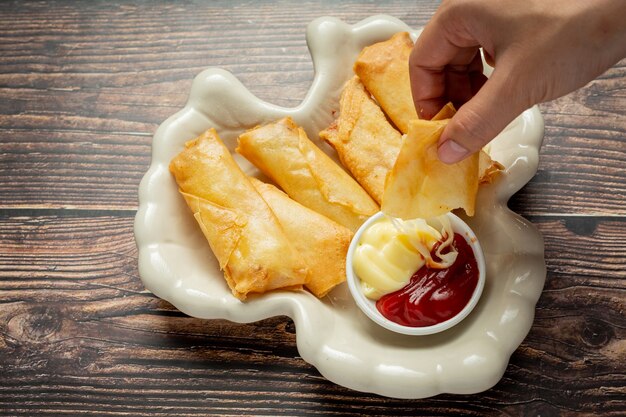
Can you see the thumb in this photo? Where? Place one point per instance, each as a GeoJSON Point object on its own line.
{"type": "Point", "coordinates": [479, 120]}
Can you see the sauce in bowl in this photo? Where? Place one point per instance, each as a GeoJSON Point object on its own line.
{"type": "Point", "coordinates": [434, 295]}
{"type": "Point", "coordinates": [444, 286]}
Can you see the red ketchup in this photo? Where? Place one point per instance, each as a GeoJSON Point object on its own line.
{"type": "Point", "coordinates": [434, 295]}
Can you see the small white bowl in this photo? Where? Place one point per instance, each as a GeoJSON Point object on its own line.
{"type": "Point", "coordinates": [369, 306]}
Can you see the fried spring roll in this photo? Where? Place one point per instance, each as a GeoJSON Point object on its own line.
{"type": "Point", "coordinates": [321, 242]}
{"type": "Point", "coordinates": [242, 231]}
{"type": "Point", "coordinates": [283, 152]}
{"type": "Point", "coordinates": [367, 144]}
{"type": "Point", "coordinates": [420, 185]}
{"type": "Point", "coordinates": [384, 69]}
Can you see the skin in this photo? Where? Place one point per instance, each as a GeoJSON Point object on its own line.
{"type": "Point", "coordinates": [540, 50]}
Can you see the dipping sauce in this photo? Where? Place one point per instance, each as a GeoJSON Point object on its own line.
{"type": "Point", "coordinates": [387, 257]}
{"type": "Point", "coordinates": [434, 295]}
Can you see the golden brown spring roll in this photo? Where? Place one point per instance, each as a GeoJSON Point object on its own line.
{"type": "Point", "coordinates": [367, 144]}
{"type": "Point", "coordinates": [283, 152]}
{"type": "Point", "coordinates": [420, 185]}
{"type": "Point", "coordinates": [322, 243]}
{"type": "Point", "coordinates": [384, 70]}
{"type": "Point", "coordinates": [243, 232]}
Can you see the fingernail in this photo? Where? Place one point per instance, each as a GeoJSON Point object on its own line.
{"type": "Point", "coordinates": [451, 152]}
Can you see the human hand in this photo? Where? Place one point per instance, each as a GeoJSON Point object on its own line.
{"type": "Point", "coordinates": [540, 50]}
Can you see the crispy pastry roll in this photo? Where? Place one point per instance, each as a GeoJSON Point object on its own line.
{"type": "Point", "coordinates": [384, 69]}
{"type": "Point", "coordinates": [322, 243]}
{"type": "Point", "coordinates": [367, 144]}
{"type": "Point", "coordinates": [420, 185]}
{"type": "Point", "coordinates": [283, 152]}
{"type": "Point", "coordinates": [243, 232]}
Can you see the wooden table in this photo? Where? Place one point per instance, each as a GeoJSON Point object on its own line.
{"type": "Point", "coordinates": [82, 89]}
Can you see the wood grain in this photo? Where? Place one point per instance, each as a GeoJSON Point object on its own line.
{"type": "Point", "coordinates": [78, 331]}
{"type": "Point", "coordinates": [83, 87]}
{"type": "Point", "coordinates": [583, 158]}
{"type": "Point", "coordinates": [131, 66]}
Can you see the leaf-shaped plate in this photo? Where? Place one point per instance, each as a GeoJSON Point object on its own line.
{"type": "Point", "coordinates": [176, 264]}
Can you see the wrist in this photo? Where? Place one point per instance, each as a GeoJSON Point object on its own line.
{"type": "Point", "coordinates": [607, 27]}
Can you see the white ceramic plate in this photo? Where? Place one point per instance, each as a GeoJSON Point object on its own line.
{"type": "Point", "coordinates": [176, 264]}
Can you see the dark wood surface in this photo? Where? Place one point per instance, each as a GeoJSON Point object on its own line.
{"type": "Point", "coordinates": [83, 87]}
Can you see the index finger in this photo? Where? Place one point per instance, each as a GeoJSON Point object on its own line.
{"type": "Point", "coordinates": [435, 49]}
